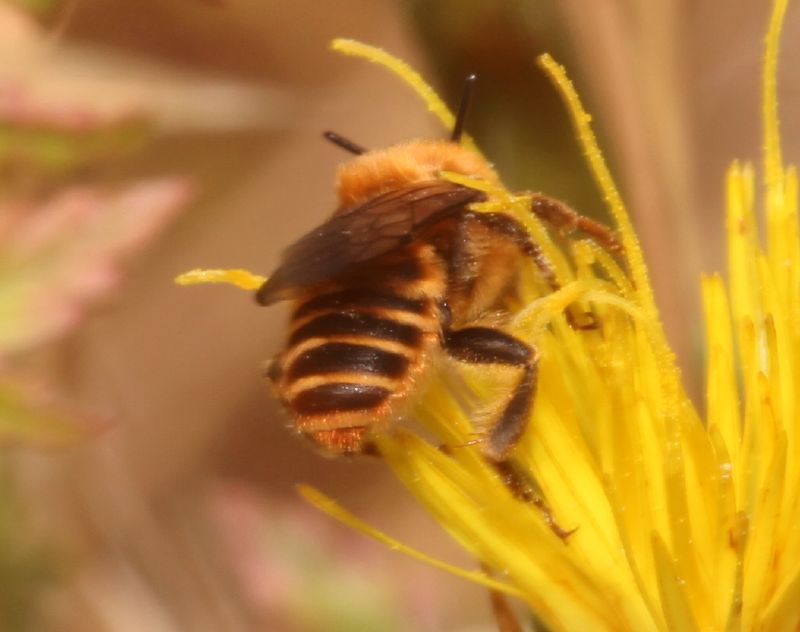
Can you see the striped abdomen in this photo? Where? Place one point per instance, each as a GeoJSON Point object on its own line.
{"type": "Point", "coordinates": [353, 351]}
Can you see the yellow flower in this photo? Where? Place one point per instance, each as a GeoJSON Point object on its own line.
{"type": "Point", "coordinates": [681, 524]}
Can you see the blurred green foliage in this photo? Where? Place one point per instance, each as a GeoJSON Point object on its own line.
{"type": "Point", "coordinates": [46, 150]}
{"type": "Point", "coordinates": [35, 419]}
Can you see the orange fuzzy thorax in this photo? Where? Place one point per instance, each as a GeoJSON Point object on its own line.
{"type": "Point", "coordinates": [383, 170]}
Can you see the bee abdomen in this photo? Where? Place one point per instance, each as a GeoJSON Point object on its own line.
{"type": "Point", "coordinates": [349, 358]}
{"type": "Point", "coordinates": [339, 397]}
{"type": "Point", "coordinates": [357, 298]}
{"type": "Point", "coordinates": [343, 377]}
{"type": "Point", "coordinates": [351, 350]}
{"type": "Point", "coordinates": [354, 324]}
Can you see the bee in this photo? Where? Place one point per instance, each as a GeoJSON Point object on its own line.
{"type": "Point", "coordinates": [401, 271]}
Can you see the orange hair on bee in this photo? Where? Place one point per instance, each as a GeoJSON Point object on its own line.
{"type": "Point", "coordinates": [377, 172]}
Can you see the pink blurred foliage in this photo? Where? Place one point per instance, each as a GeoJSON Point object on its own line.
{"type": "Point", "coordinates": [244, 527]}
{"type": "Point", "coordinates": [31, 97]}
{"type": "Point", "coordinates": [59, 256]}
{"type": "Point", "coordinates": [20, 109]}
{"type": "Point", "coordinates": [52, 83]}
{"type": "Point", "coordinates": [65, 106]}
{"type": "Point", "coordinates": [299, 571]}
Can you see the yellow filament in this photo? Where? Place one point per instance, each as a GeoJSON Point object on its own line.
{"type": "Point", "coordinates": [240, 278]}
{"type": "Point", "coordinates": [332, 508]}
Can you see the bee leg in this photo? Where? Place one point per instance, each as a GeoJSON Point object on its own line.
{"type": "Point", "coordinates": [566, 220]}
{"type": "Point", "coordinates": [511, 228]}
{"type": "Point", "coordinates": [507, 226]}
{"type": "Point", "coordinates": [526, 490]}
{"type": "Point", "coordinates": [484, 345]}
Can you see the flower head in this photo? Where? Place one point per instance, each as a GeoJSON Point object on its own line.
{"type": "Point", "coordinates": [679, 523]}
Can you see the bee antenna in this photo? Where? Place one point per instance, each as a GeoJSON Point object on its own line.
{"type": "Point", "coordinates": [341, 141]}
{"type": "Point", "coordinates": [461, 115]}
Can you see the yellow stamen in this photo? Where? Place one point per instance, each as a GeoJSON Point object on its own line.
{"type": "Point", "coordinates": [333, 509]}
{"type": "Point", "coordinates": [240, 278]}
{"type": "Point", "coordinates": [602, 175]}
{"type": "Point", "coordinates": [773, 163]}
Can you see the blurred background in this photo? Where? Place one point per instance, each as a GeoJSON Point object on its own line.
{"type": "Point", "coordinates": [147, 479]}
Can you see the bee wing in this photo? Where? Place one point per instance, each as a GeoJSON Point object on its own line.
{"type": "Point", "coordinates": [363, 233]}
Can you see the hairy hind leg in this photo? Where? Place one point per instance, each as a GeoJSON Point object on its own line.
{"type": "Point", "coordinates": [484, 345]}
{"type": "Point", "coordinates": [509, 227]}
{"type": "Point", "coordinates": [505, 225]}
